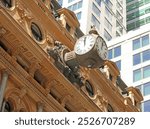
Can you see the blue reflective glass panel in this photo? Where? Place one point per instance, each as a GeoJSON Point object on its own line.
{"type": "Point", "coordinates": [137, 75]}
{"type": "Point", "coordinates": [145, 40]}
{"type": "Point", "coordinates": [136, 44]}
{"type": "Point", "coordinates": [118, 63]}
{"type": "Point", "coordinates": [146, 55]}
{"type": "Point", "coordinates": [117, 51]}
{"type": "Point", "coordinates": [110, 54]}
{"type": "Point", "coordinates": [136, 59]}
{"type": "Point", "coordinates": [146, 87]}
{"type": "Point", "coordinates": [146, 71]}
{"type": "Point", "coordinates": [147, 106]}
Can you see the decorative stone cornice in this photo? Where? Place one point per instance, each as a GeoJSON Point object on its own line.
{"type": "Point", "coordinates": [17, 50]}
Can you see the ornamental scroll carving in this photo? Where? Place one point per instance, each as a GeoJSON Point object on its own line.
{"type": "Point", "coordinates": [101, 101]}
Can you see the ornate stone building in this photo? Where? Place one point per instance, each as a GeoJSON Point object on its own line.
{"type": "Point", "coordinates": [35, 35]}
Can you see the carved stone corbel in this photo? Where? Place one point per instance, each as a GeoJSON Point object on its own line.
{"type": "Point", "coordinates": [2, 31]}
{"type": "Point", "coordinates": [33, 67]}
{"type": "Point", "coordinates": [101, 101]}
{"type": "Point", "coordinates": [49, 84]}
{"type": "Point", "coordinates": [65, 99]}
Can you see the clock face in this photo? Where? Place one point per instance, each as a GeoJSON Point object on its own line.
{"type": "Point", "coordinates": [101, 48]}
{"type": "Point", "coordinates": [84, 44]}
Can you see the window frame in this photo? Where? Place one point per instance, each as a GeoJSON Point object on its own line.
{"type": "Point", "coordinates": [140, 76]}
{"type": "Point", "coordinates": [36, 32]}
{"type": "Point", "coordinates": [145, 110]}
{"type": "Point", "coordinates": [140, 42]}
{"type": "Point", "coordinates": [145, 93]}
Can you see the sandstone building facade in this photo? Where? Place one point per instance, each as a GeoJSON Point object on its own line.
{"type": "Point", "coordinates": [32, 80]}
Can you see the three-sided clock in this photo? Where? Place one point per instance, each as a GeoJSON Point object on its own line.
{"type": "Point", "coordinates": [91, 51]}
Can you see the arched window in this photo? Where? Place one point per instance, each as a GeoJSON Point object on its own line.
{"type": "Point", "coordinates": [89, 88]}
{"type": "Point", "coordinates": [109, 108]}
{"type": "Point", "coordinates": [36, 32]}
{"type": "Point", "coordinates": [8, 107]}
{"type": "Point", "coordinates": [7, 3]}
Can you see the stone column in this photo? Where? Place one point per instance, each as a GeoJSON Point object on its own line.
{"type": "Point", "coordinates": [3, 86]}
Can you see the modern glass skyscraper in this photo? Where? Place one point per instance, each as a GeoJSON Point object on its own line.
{"type": "Point", "coordinates": [108, 16]}
{"type": "Point", "coordinates": [138, 13]}
{"type": "Point", "coordinates": [131, 53]}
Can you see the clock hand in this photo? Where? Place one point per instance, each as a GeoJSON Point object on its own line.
{"type": "Point", "coordinates": [84, 41]}
{"type": "Point", "coordinates": [102, 46]}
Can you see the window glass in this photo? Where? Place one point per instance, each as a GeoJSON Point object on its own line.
{"type": "Point", "coordinates": [119, 7]}
{"type": "Point", "coordinates": [119, 27]}
{"type": "Point", "coordinates": [117, 51]}
{"type": "Point", "coordinates": [146, 71]}
{"type": "Point", "coordinates": [110, 54]}
{"type": "Point", "coordinates": [70, 1]}
{"type": "Point", "coordinates": [146, 87]}
{"type": "Point", "coordinates": [108, 13]}
{"type": "Point", "coordinates": [8, 107]}
{"type": "Point", "coordinates": [96, 10]}
{"type": "Point", "coordinates": [98, 2]}
{"type": "Point", "coordinates": [95, 21]}
{"type": "Point", "coordinates": [147, 1]}
{"type": "Point", "coordinates": [75, 6]}
{"type": "Point", "coordinates": [60, 2]}
{"type": "Point", "coordinates": [136, 44]}
{"type": "Point", "coordinates": [139, 87]}
{"type": "Point", "coordinates": [136, 59]}
{"type": "Point", "coordinates": [146, 55]}
{"type": "Point", "coordinates": [118, 63]}
{"type": "Point", "coordinates": [78, 15]}
{"type": "Point", "coordinates": [137, 75]}
{"type": "Point", "coordinates": [109, 108]}
{"type": "Point", "coordinates": [108, 25]}
{"type": "Point", "coordinates": [140, 22]}
{"type": "Point", "coordinates": [7, 3]}
{"type": "Point", "coordinates": [108, 2]}
{"type": "Point", "coordinates": [80, 4]}
{"type": "Point", "coordinates": [128, 1]}
{"type": "Point", "coordinates": [147, 19]}
{"type": "Point", "coordinates": [147, 106]}
{"type": "Point", "coordinates": [36, 32]}
{"type": "Point", "coordinates": [118, 15]}
{"type": "Point", "coordinates": [107, 35]}
{"type": "Point", "coordinates": [145, 40]}
{"type": "Point", "coordinates": [131, 26]}
{"type": "Point", "coordinates": [117, 34]}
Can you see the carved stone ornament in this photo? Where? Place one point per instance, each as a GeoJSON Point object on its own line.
{"type": "Point", "coordinates": [2, 31]}
{"type": "Point", "coordinates": [100, 101]}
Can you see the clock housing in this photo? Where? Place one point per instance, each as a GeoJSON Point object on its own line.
{"type": "Point", "coordinates": [91, 51]}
